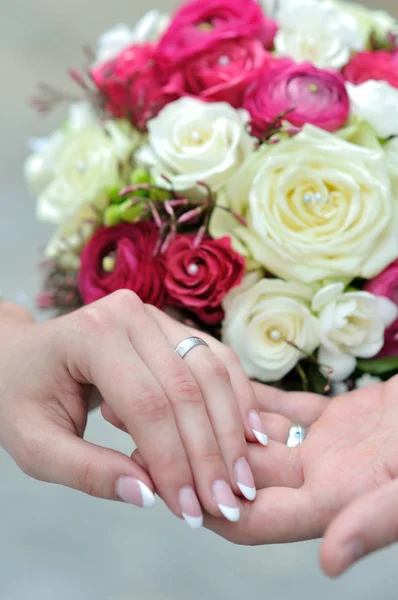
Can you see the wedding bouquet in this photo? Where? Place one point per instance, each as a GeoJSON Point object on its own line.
{"type": "Point", "coordinates": [237, 162]}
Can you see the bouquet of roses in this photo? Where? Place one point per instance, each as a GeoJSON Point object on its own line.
{"type": "Point", "coordinates": [237, 162]}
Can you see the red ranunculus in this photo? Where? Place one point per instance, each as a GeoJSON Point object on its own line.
{"type": "Point", "coordinates": [314, 96]}
{"type": "Point", "coordinates": [386, 284]}
{"type": "Point", "coordinates": [198, 278]}
{"type": "Point", "coordinates": [223, 73]}
{"type": "Point", "coordinates": [128, 248]}
{"type": "Point", "coordinates": [199, 25]}
{"type": "Point", "coordinates": [380, 65]}
{"type": "Point", "coordinates": [134, 86]}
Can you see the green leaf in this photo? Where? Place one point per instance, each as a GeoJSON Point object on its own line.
{"type": "Point", "coordinates": [379, 366]}
{"type": "Point", "coordinates": [318, 382]}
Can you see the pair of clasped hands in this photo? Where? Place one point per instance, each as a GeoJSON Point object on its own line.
{"type": "Point", "coordinates": [210, 443]}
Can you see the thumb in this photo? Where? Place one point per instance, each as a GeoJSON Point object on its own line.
{"type": "Point", "coordinates": [368, 524]}
{"type": "Point", "coordinates": [68, 460]}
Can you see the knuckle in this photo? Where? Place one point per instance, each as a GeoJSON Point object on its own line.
{"type": "Point", "coordinates": [93, 320]}
{"type": "Point", "coordinates": [127, 300]}
{"type": "Point", "coordinates": [151, 406]}
{"type": "Point", "coordinates": [211, 456]}
{"type": "Point", "coordinates": [216, 369]}
{"type": "Point", "coordinates": [185, 389]}
{"type": "Point", "coordinates": [86, 478]}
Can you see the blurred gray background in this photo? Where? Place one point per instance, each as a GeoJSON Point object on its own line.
{"type": "Point", "coordinates": [56, 543]}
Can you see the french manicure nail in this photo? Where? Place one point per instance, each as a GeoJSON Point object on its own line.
{"type": "Point", "coordinates": [244, 479]}
{"type": "Point", "coordinates": [133, 491]}
{"type": "Point", "coordinates": [257, 427]}
{"type": "Point", "coordinates": [226, 501]}
{"type": "Point", "coordinates": [350, 553]}
{"type": "Point", "coordinates": [190, 508]}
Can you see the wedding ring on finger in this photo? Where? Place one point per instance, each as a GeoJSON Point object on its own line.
{"type": "Point", "coordinates": [189, 344]}
{"type": "Point", "coordinates": [296, 436]}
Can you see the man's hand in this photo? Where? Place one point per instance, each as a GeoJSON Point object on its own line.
{"type": "Point", "coordinates": [342, 482]}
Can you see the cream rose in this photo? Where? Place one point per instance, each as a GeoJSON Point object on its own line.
{"type": "Point", "coordinates": [352, 325]}
{"type": "Point", "coordinates": [261, 317]}
{"type": "Point", "coordinates": [73, 171]}
{"type": "Point", "coordinates": [149, 28]}
{"type": "Point", "coordinates": [191, 141]}
{"type": "Point", "coordinates": [318, 32]}
{"type": "Point", "coordinates": [377, 103]}
{"type": "Point", "coordinates": [317, 208]}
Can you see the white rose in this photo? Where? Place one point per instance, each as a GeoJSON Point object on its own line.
{"type": "Point", "coordinates": [317, 32]}
{"type": "Point", "coordinates": [391, 154]}
{"type": "Point", "coordinates": [352, 325]}
{"type": "Point", "coordinates": [261, 318]}
{"type": "Point", "coordinates": [377, 103]}
{"type": "Point", "coordinates": [317, 208]}
{"type": "Point", "coordinates": [191, 141]}
{"type": "Point", "coordinates": [149, 28]}
{"type": "Point", "coordinates": [72, 173]}
{"type": "Point", "coordinates": [378, 22]}
{"type": "Point", "coordinates": [39, 166]}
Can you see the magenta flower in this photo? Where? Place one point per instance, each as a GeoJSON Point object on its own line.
{"type": "Point", "coordinates": [199, 25]}
{"type": "Point", "coordinates": [302, 92]}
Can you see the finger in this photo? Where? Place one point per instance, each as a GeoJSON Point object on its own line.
{"type": "Point", "coordinates": [137, 458]}
{"type": "Point", "coordinates": [59, 456]}
{"type": "Point", "coordinates": [277, 427]}
{"type": "Point", "coordinates": [110, 416]}
{"type": "Point", "coordinates": [220, 405]}
{"type": "Point", "coordinates": [366, 525]}
{"type": "Point", "coordinates": [279, 515]}
{"type": "Point", "coordinates": [213, 473]}
{"type": "Point", "coordinates": [244, 394]}
{"type": "Point", "coordinates": [298, 407]}
{"type": "Point", "coordinates": [276, 466]}
{"type": "Point", "coordinates": [107, 359]}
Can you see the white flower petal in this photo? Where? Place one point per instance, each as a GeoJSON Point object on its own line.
{"type": "Point", "coordinates": [377, 103]}
{"type": "Point", "coordinates": [366, 380]}
{"type": "Point", "coordinates": [317, 32]}
{"type": "Point", "coordinates": [387, 311]}
{"type": "Point", "coordinates": [326, 295]}
{"type": "Point", "coordinates": [342, 364]}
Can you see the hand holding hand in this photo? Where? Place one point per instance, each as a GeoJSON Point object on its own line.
{"type": "Point", "coordinates": [183, 414]}
{"type": "Point", "coordinates": [341, 483]}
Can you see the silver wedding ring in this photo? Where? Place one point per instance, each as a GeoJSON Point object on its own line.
{"type": "Point", "coordinates": [296, 436]}
{"type": "Point", "coordinates": [189, 344]}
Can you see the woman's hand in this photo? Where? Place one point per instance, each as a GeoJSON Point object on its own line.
{"type": "Point", "coordinates": [183, 414]}
{"type": "Point", "coordinates": [342, 482]}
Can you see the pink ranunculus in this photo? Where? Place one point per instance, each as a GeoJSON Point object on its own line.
{"type": "Point", "coordinates": [121, 257]}
{"type": "Point", "coordinates": [386, 284]}
{"type": "Point", "coordinates": [200, 24]}
{"type": "Point", "coordinates": [134, 86]}
{"type": "Point", "coordinates": [199, 277]}
{"type": "Point", "coordinates": [223, 73]}
{"type": "Point", "coordinates": [379, 65]}
{"type": "Point", "coordinates": [312, 95]}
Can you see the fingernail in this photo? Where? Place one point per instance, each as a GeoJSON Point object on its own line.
{"type": "Point", "coordinates": [350, 553]}
{"type": "Point", "coordinates": [226, 501]}
{"type": "Point", "coordinates": [244, 479]}
{"type": "Point", "coordinates": [190, 508]}
{"type": "Point", "coordinates": [134, 492]}
{"type": "Point", "coordinates": [257, 427]}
